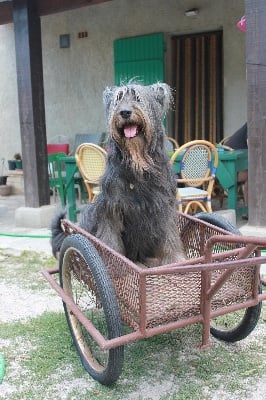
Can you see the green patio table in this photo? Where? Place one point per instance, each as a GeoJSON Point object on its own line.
{"type": "Point", "coordinates": [230, 163]}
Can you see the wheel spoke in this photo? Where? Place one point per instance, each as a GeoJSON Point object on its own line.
{"type": "Point", "coordinates": [228, 321]}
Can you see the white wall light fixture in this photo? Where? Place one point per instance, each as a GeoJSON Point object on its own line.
{"type": "Point", "coordinates": [192, 13]}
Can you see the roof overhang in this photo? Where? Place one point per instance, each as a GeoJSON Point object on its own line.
{"type": "Point", "coordinates": [46, 7]}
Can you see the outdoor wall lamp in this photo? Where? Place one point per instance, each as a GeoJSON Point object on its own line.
{"type": "Point", "coordinates": [192, 13]}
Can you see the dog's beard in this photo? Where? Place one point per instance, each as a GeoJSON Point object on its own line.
{"type": "Point", "coordinates": [135, 148]}
{"type": "Point", "coordinates": [135, 154]}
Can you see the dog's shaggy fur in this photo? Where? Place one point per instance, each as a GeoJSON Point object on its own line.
{"type": "Point", "coordinates": [135, 212]}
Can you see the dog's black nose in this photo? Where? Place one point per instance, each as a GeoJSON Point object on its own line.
{"type": "Point", "coordinates": [125, 114]}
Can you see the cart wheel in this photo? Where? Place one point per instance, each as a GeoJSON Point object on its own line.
{"type": "Point", "coordinates": [236, 325]}
{"type": "Point", "coordinates": [219, 221]}
{"type": "Point", "coordinates": [85, 279]}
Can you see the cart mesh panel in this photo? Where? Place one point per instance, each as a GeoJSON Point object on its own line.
{"type": "Point", "coordinates": [172, 297]}
{"type": "Point", "coordinates": [126, 284]}
{"type": "Point", "coordinates": [237, 289]}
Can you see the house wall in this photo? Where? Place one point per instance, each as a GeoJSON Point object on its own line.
{"type": "Point", "coordinates": [74, 78]}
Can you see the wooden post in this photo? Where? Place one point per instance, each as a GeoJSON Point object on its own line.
{"type": "Point", "coordinates": [256, 109]}
{"type": "Point", "coordinates": [27, 30]}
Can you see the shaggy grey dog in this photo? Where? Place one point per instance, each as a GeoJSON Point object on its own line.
{"type": "Point", "coordinates": [135, 212]}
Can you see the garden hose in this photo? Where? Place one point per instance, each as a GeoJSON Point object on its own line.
{"type": "Point", "coordinates": [26, 236]}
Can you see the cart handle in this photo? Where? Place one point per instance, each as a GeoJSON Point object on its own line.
{"type": "Point", "coordinates": [251, 243]}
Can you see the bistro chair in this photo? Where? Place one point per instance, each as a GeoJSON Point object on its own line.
{"type": "Point", "coordinates": [91, 162]}
{"type": "Point", "coordinates": [55, 174]}
{"type": "Point", "coordinates": [198, 165]}
{"type": "Point", "coordinates": [222, 144]}
{"type": "Point", "coordinates": [171, 143]}
{"type": "Point", "coordinates": [58, 180]}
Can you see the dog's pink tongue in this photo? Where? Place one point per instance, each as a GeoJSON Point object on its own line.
{"type": "Point", "coordinates": [130, 131]}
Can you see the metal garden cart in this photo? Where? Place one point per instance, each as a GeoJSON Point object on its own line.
{"type": "Point", "coordinates": [110, 301]}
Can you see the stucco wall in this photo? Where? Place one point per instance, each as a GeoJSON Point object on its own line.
{"type": "Point", "coordinates": [9, 118]}
{"type": "Point", "coordinates": [74, 78]}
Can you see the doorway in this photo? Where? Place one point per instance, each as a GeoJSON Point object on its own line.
{"type": "Point", "coordinates": [197, 65]}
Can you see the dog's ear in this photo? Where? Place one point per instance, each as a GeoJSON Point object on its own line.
{"type": "Point", "coordinates": [108, 96]}
{"type": "Point", "coordinates": [163, 95]}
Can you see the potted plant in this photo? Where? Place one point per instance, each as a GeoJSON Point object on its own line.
{"type": "Point", "coordinates": [11, 165]}
{"type": "Point", "coordinates": [18, 160]}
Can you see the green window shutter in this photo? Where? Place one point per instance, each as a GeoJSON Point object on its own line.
{"type": "Point", "coordinates": [140, 57]}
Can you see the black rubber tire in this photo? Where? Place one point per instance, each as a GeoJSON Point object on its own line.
{"type": "Point", "coordinates": [105, 366]}
{"type": "Point", "coordinates": [244, 321]}
{"type": "Point", "coordinates": [219, 221]}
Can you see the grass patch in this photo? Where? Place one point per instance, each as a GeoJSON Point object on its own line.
{"type": "Point", "coordinates": [42, 350]}
{"type": "Point", "coordinates": [24, 269]}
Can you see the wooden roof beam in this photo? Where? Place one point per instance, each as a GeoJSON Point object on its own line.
{"type": "Point", "coordinates": [6, 12]}
{"type": "Point", "coordinates": [46, 7]}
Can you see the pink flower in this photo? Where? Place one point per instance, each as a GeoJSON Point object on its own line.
{"type": "Point", "coordinates": [242, 24]}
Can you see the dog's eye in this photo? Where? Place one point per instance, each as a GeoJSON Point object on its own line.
{"type": "Point", "coordinates": [135, 95]}
{"type": "Point", "coordinates": [119, 96]}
